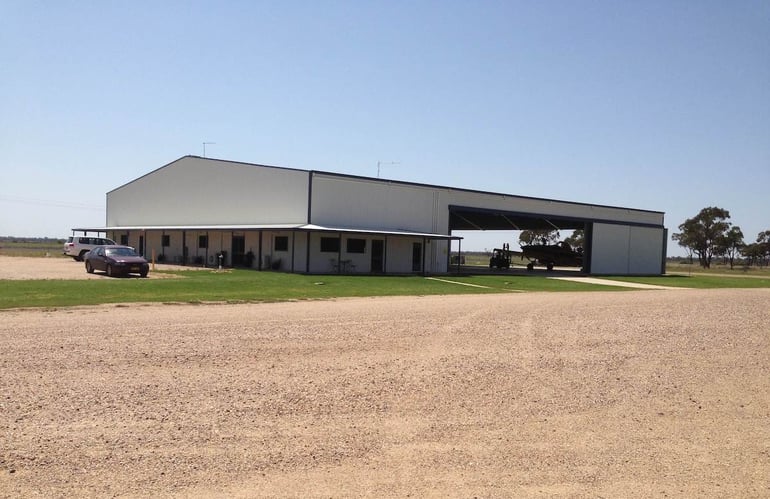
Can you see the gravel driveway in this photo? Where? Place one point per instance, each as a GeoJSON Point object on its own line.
{"type": "Point", "coordinates": [24, 268]}
{"type": "Point", "coordinates": [634, 394]}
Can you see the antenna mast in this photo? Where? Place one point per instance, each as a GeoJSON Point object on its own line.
{"type": "Point", "coordinates": [379, 163]}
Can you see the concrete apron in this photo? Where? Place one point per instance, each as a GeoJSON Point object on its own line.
{"type": "Point", "coordinates": [607, 282]}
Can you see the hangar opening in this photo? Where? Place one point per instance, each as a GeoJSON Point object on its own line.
{"type": "Point", "coordinates": [616, 241]}
{"type": "Point", "coordinates": [511, 253]}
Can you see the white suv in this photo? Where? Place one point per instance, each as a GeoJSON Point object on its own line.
{"type": "Point", "coordinates": [78, 246]}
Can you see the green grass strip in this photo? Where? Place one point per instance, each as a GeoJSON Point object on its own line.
{"type": "Point", "coordinates": [252, 286]}
{"type": "Point", "coordinates": [235, 286]}
{"type": "Point", "coordinates": [703, 281]}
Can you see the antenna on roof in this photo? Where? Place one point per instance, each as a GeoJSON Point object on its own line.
{"type": "Point", "coordinates": [379, 163]}
{"type": "Point", "coordinates": [204, 147]}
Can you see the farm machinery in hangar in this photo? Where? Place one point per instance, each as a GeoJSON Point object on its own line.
{"type": "Point", "coordinates": [546, 255]}
{"type": "Point", "coordinates": [560, 254]}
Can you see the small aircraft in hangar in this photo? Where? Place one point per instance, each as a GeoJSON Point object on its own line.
{"type": "Point", "coordinates": [560, 254]}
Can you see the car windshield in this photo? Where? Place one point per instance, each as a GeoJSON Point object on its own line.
{"type": "Point", "coordinates": [120, 252]}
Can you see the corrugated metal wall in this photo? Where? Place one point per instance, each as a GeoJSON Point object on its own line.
{"type": "Point", "coordinates": [196, 191]}
{"type": "Point", "coordinates": [623, 249]}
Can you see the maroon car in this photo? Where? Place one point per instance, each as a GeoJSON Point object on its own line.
{"type": "Point", "coordinates": [116, 260]}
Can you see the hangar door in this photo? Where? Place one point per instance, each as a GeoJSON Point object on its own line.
{"type": "Point", "coordinates": [624, 249]}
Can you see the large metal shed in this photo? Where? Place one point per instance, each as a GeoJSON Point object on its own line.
{"type": "Point", "coordinates": [195, 209]}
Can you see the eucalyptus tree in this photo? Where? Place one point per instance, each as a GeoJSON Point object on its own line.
{"type": "Point", "coordinates": [539, 236]}
{"type": "Point", "coordinates": [577, 239]}
{"type": "Point", "coordinates": [730, 244]}
{"type": "Point", "coordinates": [703, 233]}
{"type": "Point", "coordinates": [763, 245]}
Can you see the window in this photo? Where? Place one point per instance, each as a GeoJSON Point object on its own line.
{"type": "Point", "coordinates": [203, 242]}
{"type": "Point", "coordinates": [356, 246]}
{"type": "Point", "coordinates": [124, 239]}
{"type": "Point", "coordinates": [281, 243]}
{"type": "Point", "coordinates": [166, 241]}
{"type": "Point", "coordinates": [330, 245]}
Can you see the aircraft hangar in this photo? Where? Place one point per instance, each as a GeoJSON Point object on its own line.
{"type": "Point", "coordinates": [195, 210]}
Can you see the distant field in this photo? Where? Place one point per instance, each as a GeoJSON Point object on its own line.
{"type": "Point", "coordinates": [717, 268]}
{"type": "Point", "coordinates": [28, 247]}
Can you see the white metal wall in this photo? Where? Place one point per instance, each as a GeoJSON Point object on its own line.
{"type": "Point", "coordinates": [196, 191]}
{"type": "Point", "coordinates": [295, 255]}
{"type": "Point", "coordinates": [366, 203]}
{"type": "Point", "coordinates": [439, 256]}
{"type": "Point", "coordinates": [623, 249]}
{"type": "Point", "coordinates": [397, 254]}
{"type": "Point", "coordinates": [326, 262]}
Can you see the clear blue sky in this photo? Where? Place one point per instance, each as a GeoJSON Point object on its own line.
{"type": "Point", "coordinates": [660, 105]}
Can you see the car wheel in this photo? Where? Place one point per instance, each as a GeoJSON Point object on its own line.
{"type": "Point", "coordinates": [549, 266]}
{"type": "Point", "coordinates": [530, 266]}
{"type": "Point", "coordinates": [109, 271]}
{"type": "Point", "coordinates": [89, 268]}
{"type": "Point", "coordinates": [143, 274]}
{"type": "Point", "coordinates": [81, 256]}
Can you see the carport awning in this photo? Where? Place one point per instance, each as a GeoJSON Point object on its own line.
{"type": "Point", "coordinates": [297, 227]}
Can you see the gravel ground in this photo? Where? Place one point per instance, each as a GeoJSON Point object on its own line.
{"type": "Point", "coordinates": [23, 268]}
{"type": "Point", "coordinates": [633, 394]}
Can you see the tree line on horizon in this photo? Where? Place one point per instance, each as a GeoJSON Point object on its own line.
{"type": "Point", "coordinates": [710, 234]}
{"type": "Point", "coordinates": [16, 239]}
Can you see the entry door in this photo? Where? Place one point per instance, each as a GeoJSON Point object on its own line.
{"type": "Point", "coordinates": [140, 249]}
{"type": "Point", "coordinates": [416, 257]}
{"type": "Point", "coordinates": [239, 250]}
{"type": "Point", "coordinates": [378, 255]}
